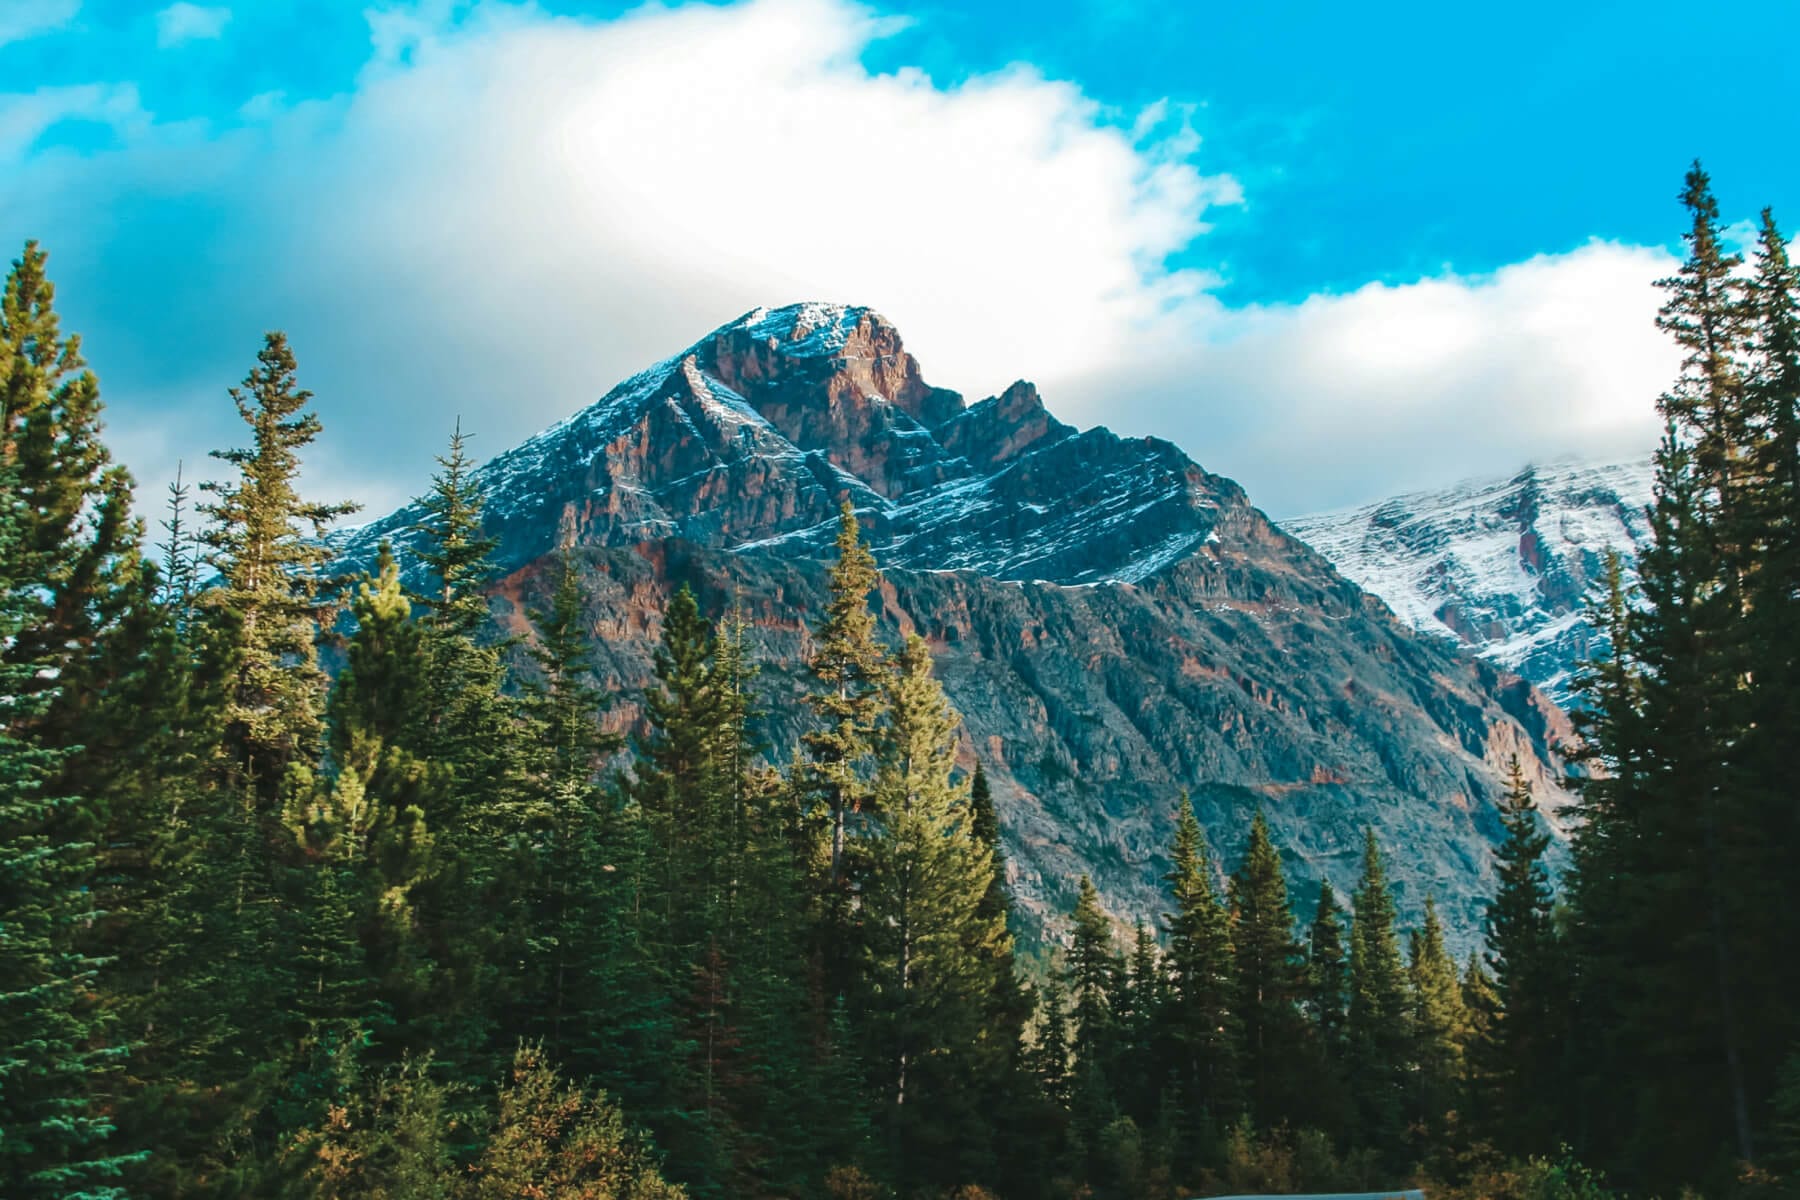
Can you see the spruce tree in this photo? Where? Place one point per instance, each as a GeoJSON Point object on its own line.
{"type": "Point", "coordinates": [1377, 1027]}
{"type": "Point", "coordinates": [567, 923]}
{"type": "Point", "coordinates": [265, 543]}
{"type": "Point", "coordinates": [1440, 1025]}
{"type": "Point", "coordinates": [74, 540]}
{"type": "Point", "coordinates": [368, 824]}
{"type": "Point", "coordinates": [1094, 967]}
{"type": "Point", "coordinates": [1327, 971]}
{"type": "Point", "coordinates": [1674, 882]}
{"type": "Point", "coordinates": [1270, 980]}
{"type": "Point", "coordinates": [1201, 1020]}
{"type": "Point", "coordinates": [1050, 1056]}
{"type": "Point", "coordinates": [931, 948]}
{"type": "Point", "coordinates": [1525, 1059]}
{"type": "Point", "coordinates": [678, 785]}
{"type": "Point", "coordinates": [471, 731]}
{"type": "Point", "coordinates": [53, 1134]}
{"type": "Point", "coordinates": [849, 666]}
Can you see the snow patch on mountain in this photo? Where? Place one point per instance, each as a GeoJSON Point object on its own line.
{"type": "Point", "coordinates": [1503, 566]}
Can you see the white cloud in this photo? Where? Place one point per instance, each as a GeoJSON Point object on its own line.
{"type": "Point", "coordinates": [185, 22]}
{"type": "Point", "coordinates": [512, 212]}
{"type": "Point", "coordinates": [26, 116]}
{"type": "Point", "coordinates": [1344, 398]}
{"type": "Point", "coordinates": [22, 19]}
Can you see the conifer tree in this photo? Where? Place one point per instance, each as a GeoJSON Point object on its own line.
{"type": "Point", "coordinates": [849, 666]}
{"type": "Point", "coordinates": [1481, 1007]}
{"type": "Point", "coordinates": [1327, 971]}
{"type": "Point", "coordinates": [1270, 980]}
{"type": "Point", "coordinates": [1202, 1023]}
{"type": "Point", "coordinates": [1094, 968]}
{"type": "Point", "coordinates": [1525, 1058]}
{"type": "Point", "coordinates": [1376, 1026]}
{"type": "Point", "coordinates": [1439, 1024]}
{"type": "Point", "coordinates": [264, 542]}
{"type": "Point", "coordinates": [1672, 879]}
{"type": "Point", "coordinates": [565, 919]}
{"type": "Point", "coordinates": [367, 825]}
{"type": "Point", "coordinates": [53, 1134]}
{"type": "Point", "coordinates": [1050, 1056]}
{"type": "Point", "coordinates": [74, 539]}
{"type": "Point", "coordinates": [931, 948]}
{"type": "Point", "coordinates": [678, 786]}
{"type": "Point", "coordinates": [470, 731]}
{"type": "Point", "coordinates": [463, 672]}
{"type": "Point", "coordinates": [180, 560]}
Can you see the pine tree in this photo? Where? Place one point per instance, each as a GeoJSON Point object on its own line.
{"type": "Point", "coordinates": [1376, 1027]}
{"type": "Point", "coordinates": [1525, 1056]}
{"type": "Point", "coordinates": [930, 947]}
{"type": "Point", "coordinates": [849, 666]}
{"type": "Point", "coordinates": [53, 1135]}
{"type": "Point", "coordinates": [1143, 998]}
{"type": "Point", "coordinates": [463, 673]}
{"type": "Point", "coordinates": [1673, 878]}
{"type": "Point", "coordinates": [1327, 971]}
{"type": "Point", "coordinates": [1440, 1025]}
{"type": "Point", "coordinates": [1094, 967]}
{"type": "Point", "coordinates": [1050, 1056]}
{"type": "Point", "coordinates": [368, 824]}
{"type": "Point", "coordinates": [569, 925]}
{"type": "Point", "coordinates": [678, 786]}
{"type": "Point", "coordinates": [268, 574]}
{"type": "Point", "coordinates": [1270, 980]}
{"type": "Point", "coordinates": [471, 731]}
{"type": "Point", "coordinates": [1481, 1006]}
{"type": "Point", "coordinates": [180, 560]}
{"type": "Point", "coordinates": [1202, 1023]}
{"type": "Point", "coordinates": [74, 540]}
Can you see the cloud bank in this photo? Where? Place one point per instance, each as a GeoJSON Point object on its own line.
{"type": "Point", "coordinates": [511, 212]}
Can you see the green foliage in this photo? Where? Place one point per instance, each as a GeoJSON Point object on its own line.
{"type": "Point", "coordinates": [53, 1048]}
{"type": "Point", "coordinates": [930, 948]}
{"type": "Point", "coordinates": [264, 541]}
{"type": "Point", "coordinates": [1377, 1028]}
{"type": "Point", "coordinates": [1202, 1019]}
{"type": "Point", "coordinates": [1270, 979]}
{"type": "Point", "coordinates": [849, 667]}
{"type": "Point", "coordinates": [1440, 1025]}
{"type": "Point", "coordinates": [1681, 932]}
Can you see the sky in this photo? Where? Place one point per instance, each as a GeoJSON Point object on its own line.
{"type": "Point", "coordinates": [1333, 251]}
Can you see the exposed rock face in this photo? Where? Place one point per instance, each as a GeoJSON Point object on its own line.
{"type": "Point", "coordinates": [1115, 623]}
{"type": "Point", "coordinates": [1501, 566]}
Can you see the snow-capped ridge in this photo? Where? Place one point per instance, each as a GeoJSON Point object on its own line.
{"type": "Point", "coordinates": [748, 438]}
{"type": "Point", "coordinates": [1502, 566]}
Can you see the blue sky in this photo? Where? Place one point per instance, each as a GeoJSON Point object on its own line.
{"type": "Point", "coordinates": [1332, 250]}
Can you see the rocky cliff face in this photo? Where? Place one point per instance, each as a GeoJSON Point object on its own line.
{"type": "Point", "coordinates": [1114, 622]}
{"type": "Point", "coordinates": [1501, 566]}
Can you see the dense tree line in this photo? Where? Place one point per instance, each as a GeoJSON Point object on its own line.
{"type": "Point", "coordinates": [424, 927]}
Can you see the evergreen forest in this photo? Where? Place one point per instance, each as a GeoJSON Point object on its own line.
{"type": "Point", "coordinates": [322, 887]}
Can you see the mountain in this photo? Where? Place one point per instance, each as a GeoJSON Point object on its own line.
{"type": "Point", "coordinates": [1501, 566]}
{"type": "Point", "coordinates": [1115, 623]}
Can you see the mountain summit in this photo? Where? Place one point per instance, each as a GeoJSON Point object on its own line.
{"type": "Point", "coordinates": [749, 438]}
{"type": "Point", "coordinates": [1115, 623]}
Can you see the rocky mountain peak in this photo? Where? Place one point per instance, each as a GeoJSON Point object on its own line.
{"type": "Point", "coordinates": [1115, 623]}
